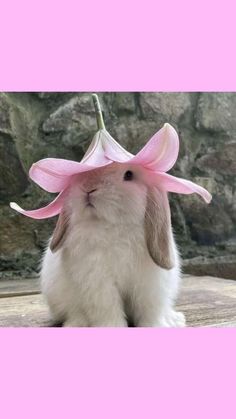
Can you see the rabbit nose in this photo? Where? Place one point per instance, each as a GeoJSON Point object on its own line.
{"type": "Point", "coordinates": [92, 190]}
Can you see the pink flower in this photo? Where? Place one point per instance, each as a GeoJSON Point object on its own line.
{"type": "Point", "coordinates": [157, 157]}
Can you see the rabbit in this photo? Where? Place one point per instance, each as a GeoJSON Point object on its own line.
{"type": "Point", "coordinates": [112, 259]}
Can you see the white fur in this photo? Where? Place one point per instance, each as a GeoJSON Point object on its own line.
{"type": "Point", "coordinates": [103, 273]}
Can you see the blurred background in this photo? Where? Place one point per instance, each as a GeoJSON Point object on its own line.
{"type": "Point", "coordinates": [38, 125]}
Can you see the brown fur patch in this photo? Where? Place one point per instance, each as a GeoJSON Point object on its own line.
{"type": "Point", "coordinates": [59, 233]}
{"type": "Point", "coordinates": [158, 228]}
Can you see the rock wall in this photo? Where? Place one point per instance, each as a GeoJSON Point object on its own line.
{"type": "Point", "coordinates": [39, 125]}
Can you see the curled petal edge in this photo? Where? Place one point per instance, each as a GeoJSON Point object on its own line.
{"type": "Point", "coordinates": [52, 209]}
{"type": "Point", "coordinates": [161, 151]}
{"type": "Point", "coordinates": [178, 185]}
{"type": "Point", "coordinates": [53, 175]}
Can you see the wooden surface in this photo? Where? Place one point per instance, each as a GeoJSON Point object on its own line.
{"type": "Point", "coordinates": [205, 301]}
{"type": "Point", "coordinates": [16, 287]}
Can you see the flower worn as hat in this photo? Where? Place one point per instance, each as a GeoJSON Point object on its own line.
{"type": "Point", "coordinates": [158, 156]}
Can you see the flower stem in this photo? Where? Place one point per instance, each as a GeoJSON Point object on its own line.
{"type": "Point", "coordinates": [98, 111]}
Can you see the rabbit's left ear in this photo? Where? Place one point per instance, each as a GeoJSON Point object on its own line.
{"type": "Point", "coordinates": [59, 233]}
{"type": "Point", "coordinates": [158, 229]}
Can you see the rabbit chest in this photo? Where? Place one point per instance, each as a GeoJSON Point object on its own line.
{"type": "Point", "coordinates": [98, 254]}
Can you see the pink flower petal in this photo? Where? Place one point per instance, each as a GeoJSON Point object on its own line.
{"type": "Point", "coordinates": [174, 184]}
{"type": "Point", "coordinates": [95, 155]}
{"type": "Point", "coordinates": [113, 150]}
{"type": "Point", "coordinates": [50, 210]}
{"type": "Point", "coordinates": [158, 156]}
{"type": "Point", "coordinates": [54, 175]}
{"type": "Point", "coordinates": [161, 151]}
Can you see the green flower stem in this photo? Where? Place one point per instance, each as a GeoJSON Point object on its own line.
{"type": "Point", "coordinates": [98, 111]}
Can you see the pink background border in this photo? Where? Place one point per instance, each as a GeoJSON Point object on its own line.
{"type": "Point", "coordinates": [117, 373]}
{"type": "Point", "coordinates": [169, 45]}
{"type": "Point", "coordinates": [107, 373]}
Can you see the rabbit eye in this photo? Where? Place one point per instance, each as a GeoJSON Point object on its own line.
{"type": "Point", "coordinates": [128, 175]}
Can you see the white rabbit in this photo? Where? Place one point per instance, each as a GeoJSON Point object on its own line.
{"type": "Point", "coordinates": [112, 259]}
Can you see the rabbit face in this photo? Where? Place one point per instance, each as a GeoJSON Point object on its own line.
{"type": "Point", "coordinates": [118, 196]}
{"type": "Point", "coordinates": [115, 194]}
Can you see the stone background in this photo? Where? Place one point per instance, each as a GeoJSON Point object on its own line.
{"type": "Point", "coordinates": [39, 125]}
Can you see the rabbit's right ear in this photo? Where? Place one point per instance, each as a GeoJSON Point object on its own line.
{"type": "Point", "coordinates": [158, 229]}
{"type": "Point", "coordinates": [59, 233]}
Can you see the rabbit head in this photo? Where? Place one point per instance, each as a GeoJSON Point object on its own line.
{"type": "Point", "coordinates": [119, 194]}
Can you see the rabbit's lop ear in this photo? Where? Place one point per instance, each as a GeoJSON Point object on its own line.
{"type": "Point", "coordinates": [158, 229]}
{"type": "Point", "coordinates": [59, 233]}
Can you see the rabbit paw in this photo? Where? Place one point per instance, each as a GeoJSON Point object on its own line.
{"type": "Point", "coordinates": [75, 322]}
{"type": "Point", "coordinates": [173, 319]}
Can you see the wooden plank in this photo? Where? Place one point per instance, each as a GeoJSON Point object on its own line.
{"type": "Point", "coordinates": [24, 311]}
{"type": "Point", "coordinates": [206, 301]}
{"type": "Point", "coordinates": [18, 286]}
